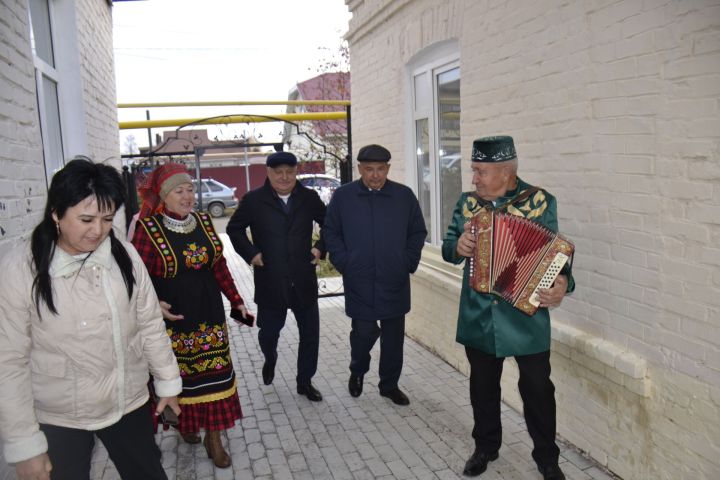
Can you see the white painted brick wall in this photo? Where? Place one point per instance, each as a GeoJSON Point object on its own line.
{"type": "Point", "coordinates": [98, 75]}
{"type": "Point", "coordinates": [22, 177]}
{"type": "Point", "coordinates": [22, 180]}
{"type": "Point", "coordinates": [614, 109]}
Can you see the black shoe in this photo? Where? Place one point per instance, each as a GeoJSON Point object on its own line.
{"type": "Point", "coordinates": [310, 392]}
{"type": "Point", "coordinates": [397, 396]}
{"type": "Point", "coordinates": [552, 472]}
{"type": "Point", "coordinates": [268, 372]}
{"type": "Point", "coordinates": [355, 385]}
{"type": "Point", "coordinates": [478, 462]}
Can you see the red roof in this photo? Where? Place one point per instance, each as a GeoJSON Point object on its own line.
{"type": "Point", "coordinates": [326, 86]}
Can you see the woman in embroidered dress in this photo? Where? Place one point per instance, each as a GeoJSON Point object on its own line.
{"type": "Point", "coordinates": [79, 326]}
{"type": "Point", "coordinates": [183, 254]}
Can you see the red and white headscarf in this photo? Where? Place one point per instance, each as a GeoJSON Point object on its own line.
{"type": "Point", "coordinates": [158, 184]}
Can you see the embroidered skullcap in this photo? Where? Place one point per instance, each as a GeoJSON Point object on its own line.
{"type": "Point", "coordinates": [373, 153]}
{"type": "Point", "coordinates": [159, 183]}
{"type": "Point", "coordinates": [281, 158]}
{"type": "Point", "coordinates": [493, 149]}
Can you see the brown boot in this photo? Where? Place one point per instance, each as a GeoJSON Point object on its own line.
{"type": "Point", "coordinates": [191, 437]}
{"type": "Point", "coordinates": [215, 450]}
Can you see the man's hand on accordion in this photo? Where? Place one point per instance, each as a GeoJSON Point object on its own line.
{"type": "Point", "coordinates": [553, 296]}
{"type": "Point", "coordinates": [466, 242]}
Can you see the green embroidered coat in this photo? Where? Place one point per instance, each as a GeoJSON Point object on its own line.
{"type": "Point", "coordinates": [485, 321]}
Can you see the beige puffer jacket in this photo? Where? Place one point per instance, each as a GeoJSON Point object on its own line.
{"type": "Point", "coordinates": [87, 366]}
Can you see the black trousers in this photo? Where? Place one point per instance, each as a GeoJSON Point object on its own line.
{"type": "Point", "coordinates": [130, 444]}
{"type": "Point", "coordinates": [272, 320]}
{"type": "Point", "coordinates": [538, 395]}
{"type": "Point", "coordinates": [363, 336]}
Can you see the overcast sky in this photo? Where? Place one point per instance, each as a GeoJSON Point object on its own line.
{"type": "Point", "coordinates": [194, 50]}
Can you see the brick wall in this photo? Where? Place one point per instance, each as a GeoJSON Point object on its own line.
{"type": "Point", "coordinates": [98, 75]}
{"type": "Point", "coordinates": [22, 174]}
{"type": "Point", "coordinates": [614, 109]}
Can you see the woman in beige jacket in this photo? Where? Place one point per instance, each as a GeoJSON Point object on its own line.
{"type": "Point", "coordinates": [80, 331]}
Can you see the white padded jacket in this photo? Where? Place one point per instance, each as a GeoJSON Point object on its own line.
{"type": "Point", "coordinates": [88, 365]}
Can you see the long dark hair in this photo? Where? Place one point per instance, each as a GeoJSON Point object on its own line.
{"type": "Point", "coordinates": [77, 180]}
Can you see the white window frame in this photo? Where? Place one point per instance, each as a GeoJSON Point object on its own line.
{"type": "Point", "coordinates": [434, 60]}
{"type": "Point", "coordinates": [67, 77]}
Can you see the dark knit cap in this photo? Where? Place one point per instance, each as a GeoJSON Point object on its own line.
{"type": "Point", "coordinates": [493, 149]}
{"type": "Point", "coordinates": [281, 158]}
{"type": "Point", "coordinates": [373, 153]}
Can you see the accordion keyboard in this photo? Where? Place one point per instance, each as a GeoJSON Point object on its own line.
{"type": "Point", "coordinates": [550, 275]}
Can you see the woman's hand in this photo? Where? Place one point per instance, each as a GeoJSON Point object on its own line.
{"type": "Point", "coordinates": [241, 315]}
{"type": "Point", "coordinates": [35, 468]}
{"type": "Point", "coordinates": [165, 307]}
{"type": "Point", "coordinates": [242, 309]}
{"type": "Point", "coordinates": [162, 402]}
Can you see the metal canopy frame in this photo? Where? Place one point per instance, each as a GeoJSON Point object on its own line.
{"type": "Point", "coordinates": [292, 118]}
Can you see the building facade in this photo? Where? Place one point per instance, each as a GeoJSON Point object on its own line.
{"type": "Point", "coordinates": [614, 109]}
{"type": "Point", "coordinates": [57, 89]}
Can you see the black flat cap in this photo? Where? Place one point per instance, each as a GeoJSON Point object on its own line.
{"type": "Point", "coordinates": [281, 158]}
{"type": "Point", "coordinates": [373, 153]}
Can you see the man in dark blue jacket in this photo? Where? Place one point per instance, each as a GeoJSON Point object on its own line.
{"type": "Point", "coordinates": [374, 232]}
{"type": "Point", "coordinates": [280, 215]}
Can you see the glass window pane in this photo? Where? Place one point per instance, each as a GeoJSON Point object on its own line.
{"type": "Point", "coordinates": [40, 31]}
{"type": "Point", "coordinates": [51, 131]}
{"type": "Point", "coordinates": [449, 162]}
{"type": "Point", "coordinates": [423, 97]}
{"type": "Point", "coordinates": [422, 156]}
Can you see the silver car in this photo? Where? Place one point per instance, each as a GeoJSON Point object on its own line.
{"type": "Point", "coordinates": [324, 184]}
{"type": "Point", "coordinates": [216, 197]}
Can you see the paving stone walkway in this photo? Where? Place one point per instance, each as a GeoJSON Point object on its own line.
{"type": "Point", "coordinates": [285, 436]}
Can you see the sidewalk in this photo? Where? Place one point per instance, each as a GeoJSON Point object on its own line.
{"type": "Point", "coordinates": [285, 436]}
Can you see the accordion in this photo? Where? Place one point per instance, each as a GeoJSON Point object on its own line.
{"type": "Point", "coordinates": [514, 257]}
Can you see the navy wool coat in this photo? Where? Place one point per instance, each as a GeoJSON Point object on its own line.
{"type": "Point", "coordinates": [374, 239]}
{"type": "Point", "coordinates": [284, 239]}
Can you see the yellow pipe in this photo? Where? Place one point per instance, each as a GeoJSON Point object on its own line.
{"type": "Point", "coordinates": [179, 122]}
{"type": "Point", "coordinates": [221, 104]}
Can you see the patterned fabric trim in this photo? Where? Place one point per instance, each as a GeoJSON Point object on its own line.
{"type": "Point", "coordinates": [532, 206]}
{"type": "Point", "coordinates": [156, 234]}
{"type": "Point", "coordinates": [211, 397]}
{"type": "Point", "coordinates": [209, 230]}
{"type": "Point", "coordinates": [470, 207]}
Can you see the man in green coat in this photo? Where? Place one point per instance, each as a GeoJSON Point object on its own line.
{"type": "Point", "coordinates": [491, 328]}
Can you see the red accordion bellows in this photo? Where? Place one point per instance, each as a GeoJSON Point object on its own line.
{"type": "Point", "coordinates": [514, 257]}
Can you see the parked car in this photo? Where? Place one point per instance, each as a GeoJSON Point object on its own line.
{"type": "Point", "coordinates": [324, 184]}
{"type": "Point", "coordinates": [216, 197]}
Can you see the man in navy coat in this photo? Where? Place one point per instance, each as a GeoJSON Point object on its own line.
{"type": "Point", "coordinates": [280, 215]}
{"type": "Point", "coordinates": [374, 231]}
